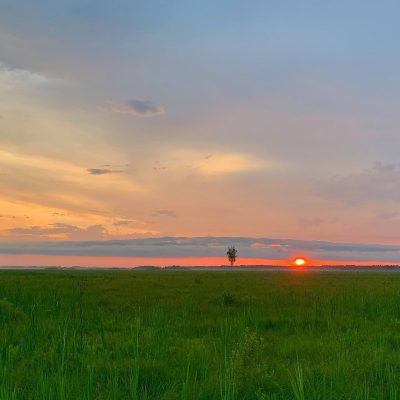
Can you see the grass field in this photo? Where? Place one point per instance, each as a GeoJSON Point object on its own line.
{"type": "Point", "coordinates": [199, 335]}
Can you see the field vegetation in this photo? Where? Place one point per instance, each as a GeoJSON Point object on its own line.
{"type": "Point", "coordinates": [199, 335]}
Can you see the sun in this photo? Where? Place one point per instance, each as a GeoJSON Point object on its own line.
{"type": "Point", "coordinates": [299, 262]}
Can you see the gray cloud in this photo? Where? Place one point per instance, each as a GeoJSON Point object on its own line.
{"type": "Point", "coordinates": [126, 222]}
{"type": "Point", "coordinates": [122, 222]}
{"type": "Point", "coordinates": [381, 182]}
{"type": "Point", "coordinates": [282, 249]}
{"type": "Point", "coordinates": [102, 171]}
{"type": "Point", "coordinates": [141, 108]}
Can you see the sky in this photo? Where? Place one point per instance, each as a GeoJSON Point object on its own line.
{"type": "Point", "coordinates": [161, 132]}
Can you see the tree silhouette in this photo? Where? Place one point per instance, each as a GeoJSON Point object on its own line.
{"type": "Point", "coordinates": [231, 253]}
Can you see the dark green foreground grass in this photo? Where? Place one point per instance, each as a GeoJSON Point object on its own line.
{"type": "Point", "coordinates": [199, 335]}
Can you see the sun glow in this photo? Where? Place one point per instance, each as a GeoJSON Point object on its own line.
{"type": "Point", "coordinates": [299, 262]}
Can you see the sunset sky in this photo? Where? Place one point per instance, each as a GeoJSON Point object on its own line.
{"type": "Point", "coordinates": [135, 132]}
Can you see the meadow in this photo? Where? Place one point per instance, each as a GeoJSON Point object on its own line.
{"type": "Point", "coordinates": [206, 335]}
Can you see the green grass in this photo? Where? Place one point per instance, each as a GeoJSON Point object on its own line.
{"type": "Point", "coordinates": [167, 335]}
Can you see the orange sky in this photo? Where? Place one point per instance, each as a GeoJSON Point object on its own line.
{"type": "Point", "coordinates": [68, 261]}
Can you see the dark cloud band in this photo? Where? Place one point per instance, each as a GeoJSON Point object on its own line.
{"type": "Point", "coordinates": [208, 247]}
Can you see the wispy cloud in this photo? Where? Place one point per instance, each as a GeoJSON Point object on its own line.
{"type": "Point", "coordinates": [102, 171]}
{"type": "Point", "coordinates": [60, 231]}
{"type": "Point", "coordinates": [231, 163]}
{"type": "Point", "coordinates": [12, 77]}
{"type": "Point", "coordinates": [141, 108]}
{"type": "Point", "coordinates": [379, 183]}
{"type": "Point", "coordinates": [164, 213]}
{"type": "Point", "coordinates": [16, 81]}
{"type": "Point", "coordinates": [218, 163]}
{"type": "Point", "coordinates": [128, 222]}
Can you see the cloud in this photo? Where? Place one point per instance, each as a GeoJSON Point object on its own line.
{"type": "Point", "coordinates": [60, 231]}
{"type": "Point", "coordinates": [11, 77]}
{"type": "Point", "coordinates": [216, 164]}
{"type": "Point", "coordinates": [268, 248]}
{"type": "Point", "coordinates": [128, 222]}
{"type": "Point", "coordinates": [17, 81]}
{"type": "Point", "coordinates": [141, 108]}
{"type": "Point", "coordinates": [164, 213]}
{"type": "Point", "coordinates": [29, 180]}
{"type": "Point", "coordinates": [6, 216]}
{"type": "Point", "coordinates": [231, 163]}
{"type": "Point", "coordinates": [260, 245]}
{"type": "Point", "coordinates": [379, 183]}
{"type": "Point", "coordinates": [102, 171]}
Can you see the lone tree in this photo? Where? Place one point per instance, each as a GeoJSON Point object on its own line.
{"type": "Point", "coordinates": [231, 253]}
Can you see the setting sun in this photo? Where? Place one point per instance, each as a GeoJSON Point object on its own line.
{"type": "Point", "coordinates": [299, 262]}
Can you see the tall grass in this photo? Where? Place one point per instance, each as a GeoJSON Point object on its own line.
{"type": "Point", "coordinates": [170, 335]}
{"type": "Point", "coordinates": [297, 382]}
